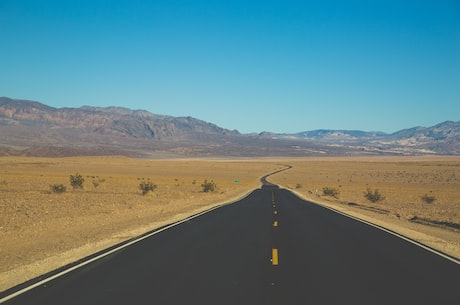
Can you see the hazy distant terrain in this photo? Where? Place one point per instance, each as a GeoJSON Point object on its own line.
{"type": "Point", "coordinates": [35, 129]}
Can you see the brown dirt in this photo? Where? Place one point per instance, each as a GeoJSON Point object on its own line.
{"type": "Point", "coordinates": [41, 231]}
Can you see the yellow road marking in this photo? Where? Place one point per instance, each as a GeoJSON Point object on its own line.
{"type": "Point", "coordinates": [275, 212]}
{"type": "Point", "coordinates": [275, 224]}
{"type": "Point", "coordinates": [275, 257]}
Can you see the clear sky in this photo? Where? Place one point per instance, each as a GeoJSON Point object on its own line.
{"type": "Point", "coordinates": [280, 66]}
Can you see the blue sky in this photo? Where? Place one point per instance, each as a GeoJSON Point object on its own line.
{"type": "Point", "coordinates": [280, 66]}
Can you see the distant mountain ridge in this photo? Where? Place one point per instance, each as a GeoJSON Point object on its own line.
{"type": "Point", "coordinates": [110, 120]}
{"type": "Point", "coordinates": [33, 128]}
{"type": "Point", "coordinates": [443, 131]}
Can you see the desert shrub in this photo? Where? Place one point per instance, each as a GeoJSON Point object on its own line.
{"type": "Point", "coordinates": [147, 186]}
{"type": "Point", "coordinates": [58, 188]}
{"type": "Point", "coordinates": [373, 196]}
{"type": "Point", "coordinates": [428, 198]}
{"type": "Point", "coordinates": [3, 182]}
{"type": "Point", "coordinates": [208, 186]}
{"type": "Point", "coordinates": [76, 181]}
{"type": "Point", "coordinates": [330, 191]}
{"type": "Point", "coordinates": [298, 186]}
{"type": "Point", "coordinates": [95, 183]}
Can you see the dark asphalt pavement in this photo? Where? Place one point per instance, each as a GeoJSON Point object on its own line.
{"type": "Point", "coordinates": [229, 256]}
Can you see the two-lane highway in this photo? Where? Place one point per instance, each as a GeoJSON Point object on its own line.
{"type": "Point", "coordinates": [269, 248]}
{"type": "Point", "coordinates": [327, 258]}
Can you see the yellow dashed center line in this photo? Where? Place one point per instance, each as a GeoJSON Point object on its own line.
{"type": "Point", "coordinates": [275, 257]}
{"type": "Point", "coordinates": [275, 224]}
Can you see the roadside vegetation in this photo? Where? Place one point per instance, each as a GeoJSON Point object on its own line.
{"type": "Point", "coordinates": [58, 188]}
{"type": "Point", "coordinates": [208, 186]}
{"type": "Point", "coordinates": [147, 186]}
{"type": "Point", "coordinates": [428, 198]}
{"type": "Point", "coordinates": [331, 191]}
{"type": "Point", "coordinates": [373, 195]}
{"type": "Point", "coordinates": [77, 181]}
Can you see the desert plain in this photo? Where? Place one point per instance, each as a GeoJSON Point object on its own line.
{"type": "Point", "coordinates": [41, 230]}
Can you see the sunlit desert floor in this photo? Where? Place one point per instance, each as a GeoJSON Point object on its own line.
{"type": "Point", "coordinates": [41, 230]}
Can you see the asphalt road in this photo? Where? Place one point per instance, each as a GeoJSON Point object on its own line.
{"type": "Point", "coordinates": [269, 248]}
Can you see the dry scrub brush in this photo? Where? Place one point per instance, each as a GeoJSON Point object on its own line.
{"type": "Point", "coordinates": [76, 181]}
{"type": "Point", "coordinates": [428, 198]}
{"type": "Point", "coordinates": [330, 191]}
{"type": "Point", "coordinates": [208, 186]}
{"type": "Point", "coordinates": [147, 187]}
{"type": "Point", "coordinates": [373, 196]}
{"type": "Point", "coordinates": [58, 188]}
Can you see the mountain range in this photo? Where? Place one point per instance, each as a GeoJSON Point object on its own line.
{"type": "Point", "coordinates": [31, 128]}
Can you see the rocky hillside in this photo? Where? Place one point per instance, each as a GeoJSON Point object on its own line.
{"type": "Point", "coordinates": [110, 121]}
{"type": "Point", "coordinates": [441, 139]}
{"type": "Point", "coordinates": [32, 128]}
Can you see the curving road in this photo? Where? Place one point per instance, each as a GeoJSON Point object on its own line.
{"type": "Point", "coordinates": [268, 248]}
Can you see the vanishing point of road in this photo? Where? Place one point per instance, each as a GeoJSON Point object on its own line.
{"type": "Point", "coordinates": [269, 248]}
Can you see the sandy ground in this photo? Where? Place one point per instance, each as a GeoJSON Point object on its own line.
{"type": "Point", "coordinates": [41, 231]}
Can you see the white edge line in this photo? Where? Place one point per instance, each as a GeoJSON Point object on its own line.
{"type": "Point", "coordinates": [89, 261]}
{"type": "Point", "coordinates": [450, 258]}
